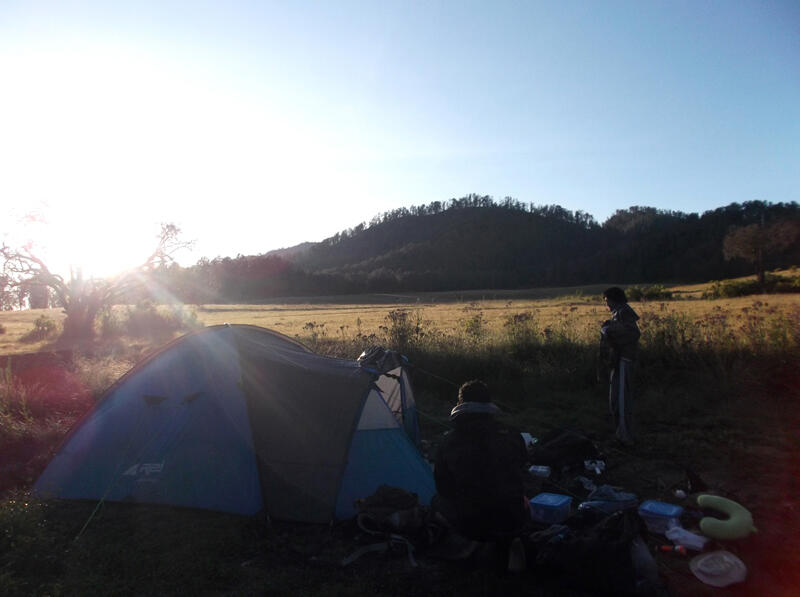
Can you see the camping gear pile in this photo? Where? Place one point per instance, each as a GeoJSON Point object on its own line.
{"type": "Point", "coordinates": [590, 535]}
{"type": "Point", "coordinates": [584, 512]}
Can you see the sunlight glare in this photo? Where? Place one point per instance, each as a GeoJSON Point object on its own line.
{"type": "Point", "coordinates": [115, 142]}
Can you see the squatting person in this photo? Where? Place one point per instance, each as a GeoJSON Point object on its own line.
{"type": "Point", "coordinates": [480, 469]}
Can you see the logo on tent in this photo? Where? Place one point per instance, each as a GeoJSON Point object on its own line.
{"type": "Point", "coordinates": [148, 468]}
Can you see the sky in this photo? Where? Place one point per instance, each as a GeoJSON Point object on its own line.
{"type": "Point", "coordinates": [259, 125]}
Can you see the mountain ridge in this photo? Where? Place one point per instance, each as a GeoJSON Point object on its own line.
{"type": "Point", "coordinates": [475, 242]}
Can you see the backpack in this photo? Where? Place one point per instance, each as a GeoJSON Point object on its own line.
{"type": "Point", "coordinates": [390, 509]}
{"type": "Point", "coordinates": [602, 553]}
{"type": "Point", "coordinates": [564, 449]}
{"type": "Point", "coordinates": [396, 517]}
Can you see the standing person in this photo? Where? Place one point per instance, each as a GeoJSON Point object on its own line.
{"type": "Point", "coordinates": [480, 469]}
{"type": "Point", "coordinates": [621, 334]}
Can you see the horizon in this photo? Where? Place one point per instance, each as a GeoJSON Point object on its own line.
{"type": "Point", "coordinates": [259, 126]}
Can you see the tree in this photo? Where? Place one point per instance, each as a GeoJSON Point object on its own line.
{"type": "Point", "coordinates": [38, 296]}
{"type": "Point", "coordinates": [83, 298]}
{"type": "Point", "coordinates": [7, 300]}
{"type": "Point", "coordinates": [755, 242]}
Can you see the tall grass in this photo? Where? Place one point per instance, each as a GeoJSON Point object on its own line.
{"type": "Point", "coordinates": [146, 320]}
{"type": "Point", "coordinates": [550, 369]}
{"type": "Point", "coordinates": [669, 338]}
{"type": "Point", "coordinates": [39, 404]}
{"type": "Point", "coordinates": [557, 369]}
{"type": "Point", "coordinates": [44, 328]}
{"type": "Point", "coordinates": [14, 397]}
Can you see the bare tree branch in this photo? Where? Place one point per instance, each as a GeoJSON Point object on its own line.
{"type": "Point", "coordinates": [83, 298]}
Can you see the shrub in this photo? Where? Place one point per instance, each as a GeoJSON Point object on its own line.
{"type": "Point", "coordinates": [784, 284]}
{"type": "Point", "coordinates": [773, 283]}
{"type": "Point", "coordinates": [316, 331]}
{"type": "Point", "coordinates": [521, 328]}
{"type": "Point", "coordinates": [403, 329]}
{"type": "Point", "coordinates": [184, 318]}
{"type": "Point", "coordinates": [475, 328]}
{"type": "Point", "coordinates": [648, 293]}
{"type": "Point", "coordinates": [38, 394]}
{"type": "Point", "coordinates": [145, 320]}
{"type": "Point", "coordinates": [13, 396]}
{"type": "Point", "coordinates": [43, 329]}
{"type": "Point", "coordinates": [112, 324]}
{"type": "Point", "coordinates": [634, 293]}
{"type": "Point", "coordinates": [96, 374]}
{"type": "Point", "coordinates": [732, 289]}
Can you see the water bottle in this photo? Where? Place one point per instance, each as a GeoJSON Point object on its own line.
{"type": "Point", "coordinates": [540, 471]}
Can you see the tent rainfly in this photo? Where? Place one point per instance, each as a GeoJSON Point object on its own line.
{"type": "Point", "coordinates": [241, 419]}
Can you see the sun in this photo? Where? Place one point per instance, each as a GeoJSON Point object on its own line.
{"type": "Point", "coordinates": [90, 243]}
{"type": "Point", "coordinates": [116, 139]}
{"type": "Point", "coordinates": [100, 254]}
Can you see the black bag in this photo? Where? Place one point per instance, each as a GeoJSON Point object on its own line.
{"type": "Point", "coordinates": [564, 449]}
{"type": "Point", "coordinates": [601, 553]}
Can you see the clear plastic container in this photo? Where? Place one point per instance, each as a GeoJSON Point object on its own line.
{"type": "Point", "coordinates": [550, 508]}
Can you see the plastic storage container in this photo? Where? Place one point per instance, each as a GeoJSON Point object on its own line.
{"type": "Point", "coordinates": [660, 516]}
{"type": "Point", "coordinates": [540, 471]}
{"type": "Point", "coordinates": [550, 508]}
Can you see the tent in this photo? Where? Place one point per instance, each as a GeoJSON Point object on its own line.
{"type": "Point", "coordinates": [394, 386]}
{"type": "Point", "coordinates": [241, 419]}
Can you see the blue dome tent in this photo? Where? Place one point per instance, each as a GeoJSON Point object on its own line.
{"type": "Point", "coordinates": [241, 419]}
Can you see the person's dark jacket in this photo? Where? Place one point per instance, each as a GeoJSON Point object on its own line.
{"type": "Point", "coordinates": [621, 332]}
{"type": "Point", "coordinates": [479, 471]}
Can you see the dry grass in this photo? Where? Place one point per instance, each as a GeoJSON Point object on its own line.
{"type": "Point", "coordinates": [19, 323]}
{"type": "Point", "coordinates": [349, 320]}
{"type": "Point", "coordinates": [695, 291]}
{"type": "Point", "coordinates": [344, 321]}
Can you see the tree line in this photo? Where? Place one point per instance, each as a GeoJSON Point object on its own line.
{"type": "Point", "coordinates": [473, 242]}
{"type": "Point", "coordinates": [471, 201]}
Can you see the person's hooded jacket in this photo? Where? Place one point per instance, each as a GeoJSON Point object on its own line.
{"type": "Point", "coordinates": [479, 470]}
{"type": "Point", "coordinates": [621, 332]}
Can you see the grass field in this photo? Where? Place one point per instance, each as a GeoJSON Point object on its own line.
{"type": "Point", "coordinates": [718, 395]}
{"type": "Point", "coordinates": [365, 317]}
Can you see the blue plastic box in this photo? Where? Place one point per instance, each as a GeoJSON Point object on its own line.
{"type": "Point", "coordinates": [550, 508]}
{"type": "Point", "coordinates": [660, 516]}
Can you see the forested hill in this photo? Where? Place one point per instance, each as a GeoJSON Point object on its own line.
{"type": "Point", "coordinates": [487, 246]}
{"type": "Point", "coordinates": [475, 242]}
